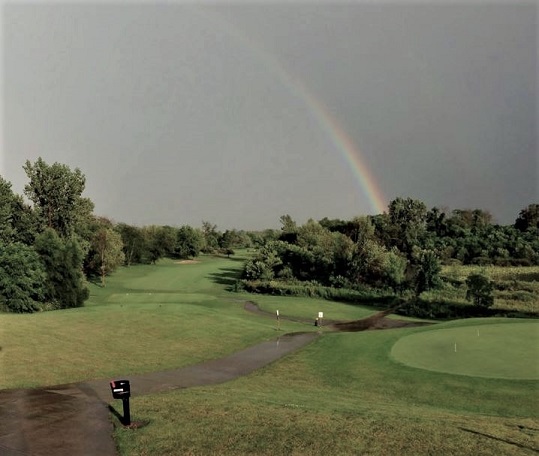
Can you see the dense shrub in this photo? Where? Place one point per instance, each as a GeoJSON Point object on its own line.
{"type": "Point", "coordinates": [314, 290]}
{"type": "Point", "coordinates": [22, 278]}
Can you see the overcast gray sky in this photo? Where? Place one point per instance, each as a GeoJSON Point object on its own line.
{"type": "Point", "coordinates": [238, 113]}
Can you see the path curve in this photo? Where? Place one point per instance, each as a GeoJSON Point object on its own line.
{"type": "Point", "coordinates": [73, 419]}
{"type": "Point", "coordinates": [378, 320]}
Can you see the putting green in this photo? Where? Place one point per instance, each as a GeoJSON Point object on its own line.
{"type": "Point", "coordinates": [508, 351]}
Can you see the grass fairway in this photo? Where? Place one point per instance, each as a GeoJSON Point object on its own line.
{"type": "Point", "coordinates": [147, 318]}
{"type": "Point", "coordinates": [503, 350]}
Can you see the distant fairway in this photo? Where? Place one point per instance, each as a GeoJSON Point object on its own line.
{"type": "Point", "coordinates": [509, 351]}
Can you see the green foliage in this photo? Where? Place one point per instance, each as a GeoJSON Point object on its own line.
{"type": "Point", "coordinates": [56, 193]}
{"type": "Point", "coordinates": [211, 237]}
{"type": "Point", "coordinates": [17, 220]}
{"type": "Point", "coordinates": [314, 290]}
{"type": "Point", "coordinates": [107, 252]}
{"type": "Point", "coordinates": [428, 271]}
{"type": "Point", "coordinates": [22, 278]}
{"type": "Point", "coordinates": [480, 290]}
{"type": "Point", "coordinates": [407, 223]}
{"type": "Point", "coordinates": [189, 242]}
{"type": "Point", "coordinates": [263, 265]}
{"type": "Point", "coordinates": [64, 287]}
{"type": "Point", "coordinates": [528, 219]}
{"type": "Point", "coordinates": [134, 243]}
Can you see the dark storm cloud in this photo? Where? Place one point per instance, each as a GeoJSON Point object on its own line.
{"type": "Point", "coordinates": [176, 113]}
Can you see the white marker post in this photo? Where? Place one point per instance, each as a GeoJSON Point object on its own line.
{"type": "Point", "coordinates": [455, 347]}
{"type": "Point", "coordinates": [278, 321]}
{"type": "Point", "coordinates": [320, 317]}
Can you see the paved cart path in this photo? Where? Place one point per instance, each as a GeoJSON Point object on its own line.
{"type": "Point", "coordinates": [74, 420]}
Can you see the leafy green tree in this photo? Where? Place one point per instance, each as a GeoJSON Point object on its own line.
{"type": "Point", "coordinates": [189, 242]}
{"type": "Point", "coordinates": [428, 271]}
{"type": "Point", "coordinates": [63, 259]}
{"type": "Point", "coordinates": [154, 247]}
{"type": "Point", "coordinates": [407, 224]}
{"type": "Point", "coordinates": [134, 243]}
{"type": "Point", "coordinates": [394, 269]}
{"type": "Point", "coordinates": [211, 237]}
{"type": "Point", "coordinates": [265, 264]}
{"type": "Point", "coordinates": [107, 252]}
{"type": "Point", "coordinates": [480, 290]}
{"type": "Point", "coordinates": [528, 218]}
{"type": "Point", "coordinates": [289, 229]}
{"type": "Point", "coordinates": [17, 220]}
{"type": "Point", "coordinates": [235, 239]}
{"type": "Point", "coordinates": [22, 278]}
{"type": "Point", "coordinates": [168, 236]}
{"type": "Point", "coordinates": [56, 192]}
{"type": "Point", "coordinates": [7, 231]}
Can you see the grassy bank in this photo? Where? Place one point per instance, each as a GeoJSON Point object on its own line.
{"type": "Point", "coordinates": [344, 394]}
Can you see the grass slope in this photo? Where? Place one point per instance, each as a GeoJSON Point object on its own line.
{"type": "Point", "coordinates": [147, 318]}
{"type": "Point", "coordinates": [341, 395]}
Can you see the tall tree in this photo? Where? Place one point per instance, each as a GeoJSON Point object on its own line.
{"type": "Point", "coordinates": [528, 218]}
{"type": "Point", "coordinates": [189, 242]}
{"type": "Point", "coordinates": [107, 248]}
{"type": "Point", "coordinates": [134, 243]}
{"type": "Point", "coordinates": [17, 219]}
{"type": "Point", "coordinates": [211, 237]}
{"type": "Point", "coordinates": [56, 192]}
{"type": "Point", "coordinates": [408, 222]}
{"type": "Point", "coordinates": [63, 259]}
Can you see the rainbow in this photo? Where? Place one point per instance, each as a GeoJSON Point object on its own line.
{"type": "Point", "coordinates": [328, 123]}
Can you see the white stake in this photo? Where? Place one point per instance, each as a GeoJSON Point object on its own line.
{"type": "Point", "coordinates": [455, 347]}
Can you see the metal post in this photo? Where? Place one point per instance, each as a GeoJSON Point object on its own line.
{"type": "Point", "coordinates": [127, 413]}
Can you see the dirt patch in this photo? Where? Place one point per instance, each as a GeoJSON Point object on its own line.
{"type": "Point", "coordinates": [376, 321]}
{"type": "Point", "coordinates": [187, 262]}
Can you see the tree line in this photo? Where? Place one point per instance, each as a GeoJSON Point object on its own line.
{"type": "Point", "coordinates": [52, 246]}
{"type": "Point", "coordinates": [399, 252]}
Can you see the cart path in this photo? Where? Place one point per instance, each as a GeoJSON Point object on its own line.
{"type": "Point", "coordinates": [74, 420]}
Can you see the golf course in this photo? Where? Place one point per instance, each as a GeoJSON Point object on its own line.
{"type": "Point", "coordinates": [457, 387]}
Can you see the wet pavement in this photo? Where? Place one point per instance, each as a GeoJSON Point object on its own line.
{"type": "Point", "coordinates": [74, 420]}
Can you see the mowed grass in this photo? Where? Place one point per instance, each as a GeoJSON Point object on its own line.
{"type": "Point", "coordinates": [147, 318]}
{"type": "Point", "coordinates": [503, 350]}
{"type": "Point", "coordinates": [341, 395]}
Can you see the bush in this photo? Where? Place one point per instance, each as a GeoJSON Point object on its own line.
{"type": "Point", "coordinates": [313, 290]}
{"type": "Point", "coordinates": [480, 290]}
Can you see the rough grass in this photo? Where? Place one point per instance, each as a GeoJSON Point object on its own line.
{"type": "Point", "coordinates": [516, 288]}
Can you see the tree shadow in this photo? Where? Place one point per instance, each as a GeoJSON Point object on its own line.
{"type": "Point", "coordinates": [226, 276]}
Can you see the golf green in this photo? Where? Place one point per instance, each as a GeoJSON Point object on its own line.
{"type": "Point", "coordinates": [509, 351]}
